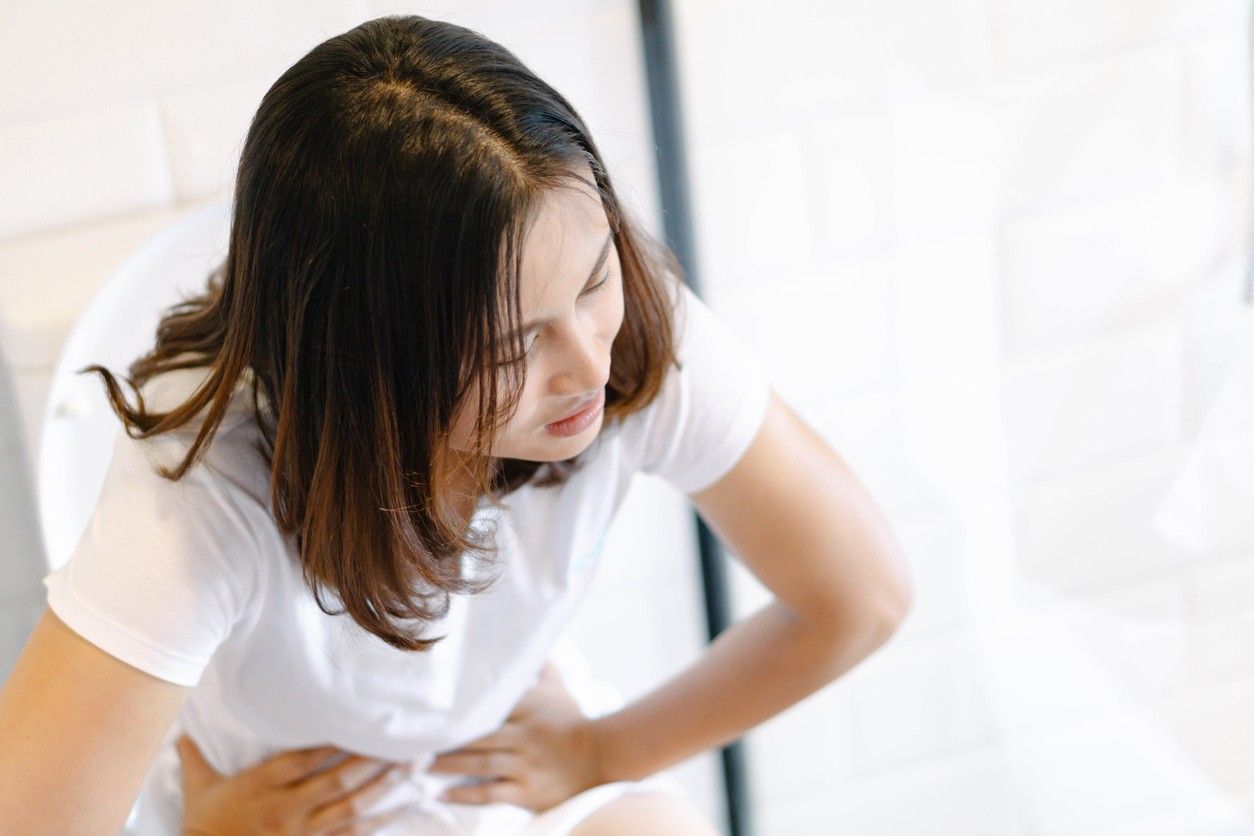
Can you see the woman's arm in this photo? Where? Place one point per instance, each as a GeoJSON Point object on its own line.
{"type": "Point", "coordinates": [78, 731]}
{"type": "Point", "coordinates": [798, 518]}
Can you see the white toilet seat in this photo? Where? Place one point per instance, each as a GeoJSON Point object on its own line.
{"type": "Point", "coordinates": [117, 326]}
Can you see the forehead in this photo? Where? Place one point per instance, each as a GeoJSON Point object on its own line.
{"type": "Point", "coordinates": [567, 229]}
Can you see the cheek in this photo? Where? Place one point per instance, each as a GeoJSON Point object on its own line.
{"type": "Point", "coordinates": [618, 309]}
{"type": "Point", "coordinates": [461, 435]}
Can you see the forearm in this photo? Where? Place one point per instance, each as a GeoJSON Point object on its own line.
{"type": "Point", "coordinates": [752, 671]}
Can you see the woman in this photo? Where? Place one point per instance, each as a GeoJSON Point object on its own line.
{"type": "Point", "coordinates": [325, 530]}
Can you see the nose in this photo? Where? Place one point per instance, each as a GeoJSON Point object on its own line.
{"type": "Point", "coordinates": [585, 366]}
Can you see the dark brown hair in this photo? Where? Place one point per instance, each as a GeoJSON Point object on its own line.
{"type": "Point", "coordinates": [385, 183]}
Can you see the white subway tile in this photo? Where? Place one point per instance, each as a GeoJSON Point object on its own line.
{"type": "Point", "coordinates": [1152, 600]}
{"type": "Point", "coordinates": [1223, 589]}
{"type": "Point", "coordinates": [35, 322]}
{"type": "Point", "coordinates": [1211, 313]}
{"type": "Point", "coordinates": [851, 184]}
{"type": "Point", "coordinates": [1215, 71]}
{"type": "Point", "coordinates": [1221, 595]}
{"type": "Point", "coordinates": [748, 203]}
{"type": "Point", "coordinates": [1119, 260]}
{"type": "Point", "coordinates": [833, 57]}
{"type": "Point", "coordinates": [919, 699]}
{"type": "Point", "coordinates": [838, 57]}
{"type": "Point", "coordinates": [1094, 401]}
{"type": "Point", "coordinates": [81, 167]}
{"type": "Point", "coordinates": [1222, 651]}
{"type": "Point", "coordinates": [933, 550]}
{"type": "Point", "coordinates": [935, 46]}
{"type": "Point", "coordinates": [948, 164]}
{"type": "Point", "coordinates": [841, 313]}
{"type": "Point", "coordinates": [205, 132]}
{"type": "Point", "coordinates": [946, 330]}
{"type": "Point", "coordinates": [1029, 33]}
{"type": "Point", "coordinates": [1081, 131]}
{"type": "Point", "coordinates": [971, 793]}
{"type": "Point", "coordinates": [809, 749]}
{"type": "Point", "coordinates": [85, 54]}
{"type": "Point", "coordinates": [1138, 632]}
{"type": "Point", "coordinates": [1146, 783]}
{"type": "Point", "coordinates": [1090, 528]}
{"type": "Point", "coordinates": [1213, 728]}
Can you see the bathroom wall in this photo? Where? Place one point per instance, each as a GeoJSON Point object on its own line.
{"type": "Point", "coordinates": [989, 249]}
{"type": "Point", "coordinates": [993, 250]}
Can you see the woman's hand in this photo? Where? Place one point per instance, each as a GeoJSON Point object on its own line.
{"type": "Point", "coordinates": [543, 754]}
{"type": "Point", "coordinates": [282, 795]}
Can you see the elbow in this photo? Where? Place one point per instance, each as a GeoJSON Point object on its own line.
{"type": "Point", "coordinates": [903, 602]}
{"type": "Point", "coordinates": [877, 617]}
{"type": "Point", "coordinates": [886, 618]}
{"type": "Point", "coordinates": [898, 595]}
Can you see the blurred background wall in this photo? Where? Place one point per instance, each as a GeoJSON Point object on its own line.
{"type": "Point", "coordinates": [992, 249]}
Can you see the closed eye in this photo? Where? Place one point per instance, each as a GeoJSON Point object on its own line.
{"type": "Point", "coordinates": [604, 281]}
{"type": "Point", "coordinates": [588, 291]}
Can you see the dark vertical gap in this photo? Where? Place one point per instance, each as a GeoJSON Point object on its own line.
{"type": "Point", "coordinates": [664, 104]}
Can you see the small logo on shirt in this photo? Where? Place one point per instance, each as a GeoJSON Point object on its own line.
{"type": "Point", "coordinates": [585, 561]}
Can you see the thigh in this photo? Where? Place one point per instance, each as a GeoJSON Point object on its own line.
{"type": "Point", "coordinates": [660, 813]}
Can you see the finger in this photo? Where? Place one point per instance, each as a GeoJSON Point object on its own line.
{"type": "Point", "coordinates": [342, 778]}
{"type": "Point", "coordinates": [487, 792]}
{"type": "Point", "coordinates": [499, 763]}
{"type": "Point", "coordinates": [196, 769]}
{"type": "Point", "coordinates": [553, 674]}
{"type": "Point", "coordinates": [505, 737]}
{"type": "Point", "coordinates": [293, 765]}
{"type": "Point", "coordinates": [372, 824]}
{"type": "Point", "coordinates": [347, 809]}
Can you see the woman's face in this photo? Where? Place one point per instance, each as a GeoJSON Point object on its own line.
{"type": "Point", "coordinates": [572, 308]}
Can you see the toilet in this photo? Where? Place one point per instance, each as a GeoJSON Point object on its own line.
{"type": "Point", "coordinates": [118, 325]}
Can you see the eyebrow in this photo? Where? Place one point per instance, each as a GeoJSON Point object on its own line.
{"type": "Point", "coordinates": [596, 268]}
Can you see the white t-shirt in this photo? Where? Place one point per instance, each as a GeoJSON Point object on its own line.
{"type": "Point", "coordinates": [192, 582]}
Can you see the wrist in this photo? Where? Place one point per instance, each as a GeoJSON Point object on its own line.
{"type": "Point", "coordinates": [594, 735]}
{"type": "Point", "coordinates": [608, 753]}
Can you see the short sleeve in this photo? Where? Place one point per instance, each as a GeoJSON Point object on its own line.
{"type": "Point", "coordinates": [163, 569]}
{"type": "Point", "coordinates": [709, 409]}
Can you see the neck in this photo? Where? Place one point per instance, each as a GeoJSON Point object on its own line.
{"type": "Point", "coordinates": [465, 499]}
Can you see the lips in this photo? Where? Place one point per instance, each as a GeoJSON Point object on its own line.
{"type": "Point", "coordinates": [578, 409]}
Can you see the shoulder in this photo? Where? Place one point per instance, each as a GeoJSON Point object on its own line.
{"type": "Point", "coordinates": [709, 405]}
{"type": "Point", "coordinates": [215, 515]}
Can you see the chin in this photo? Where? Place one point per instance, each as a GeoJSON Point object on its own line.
{"type": "Point", "coordinates": [556, 449]}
